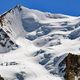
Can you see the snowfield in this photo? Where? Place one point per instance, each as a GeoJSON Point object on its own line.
{"type": "Point", "coordinates": [26, 68]}
{"type": "Point", "coordinates": [42, 39]}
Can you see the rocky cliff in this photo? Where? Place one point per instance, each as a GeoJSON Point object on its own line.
{"type": "Point", "coordinates": [72, 67]}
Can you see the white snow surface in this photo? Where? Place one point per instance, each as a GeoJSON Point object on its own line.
{"type": "Point", "coordinates": [26, 63]}
{"type": "Point", "coordinates": [34, 30]}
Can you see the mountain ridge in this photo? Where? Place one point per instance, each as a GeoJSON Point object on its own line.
{"type": "Point", "coordinates": [43, 41]}
{"type": "Point", "coordinates": [19, 5]}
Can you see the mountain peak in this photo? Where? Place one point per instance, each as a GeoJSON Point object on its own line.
{"type": "Point", "coordinates": [18, 6]}
{"type": "Point", "coordinates": [33, 39]}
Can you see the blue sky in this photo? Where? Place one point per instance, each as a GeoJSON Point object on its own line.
{"type": "Point", "coordinates": [69, 7]}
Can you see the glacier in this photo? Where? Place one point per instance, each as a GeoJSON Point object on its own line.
{"type": "Point", "coordinates": [36, 43]}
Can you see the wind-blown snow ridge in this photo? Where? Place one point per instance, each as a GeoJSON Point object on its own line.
{"type": "Point", "coordinates": [42, 39]}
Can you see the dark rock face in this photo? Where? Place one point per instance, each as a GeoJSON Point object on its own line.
{"type": "Point", "coordinates": [6, 44]}
{"type": "Point", "coordinates": [1, 78]}
{"type": "Point", "coordinates": [72, 67]}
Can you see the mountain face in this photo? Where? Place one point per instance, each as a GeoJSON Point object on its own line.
{"type": "Point", "coordinates": [36, 45]}
{"type": "Point", "coordinates": [6, 44]}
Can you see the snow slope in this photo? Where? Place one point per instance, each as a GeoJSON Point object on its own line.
{"type": "Point", "coordinates": [26, 67]}
{"type": "Point", "coordinates": [43, 39]}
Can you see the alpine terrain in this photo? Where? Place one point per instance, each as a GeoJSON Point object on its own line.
{"type": "Point", "coordinates": [37, 45]}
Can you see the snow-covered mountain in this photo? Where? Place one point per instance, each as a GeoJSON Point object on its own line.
{"type": "Point", "coordinates": [33, 44]}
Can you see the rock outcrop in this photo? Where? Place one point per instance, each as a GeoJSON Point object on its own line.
{"type": "Point", "coordinates": [72, 67]}
{"type": "Point", "coordinates": [1, 78]}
